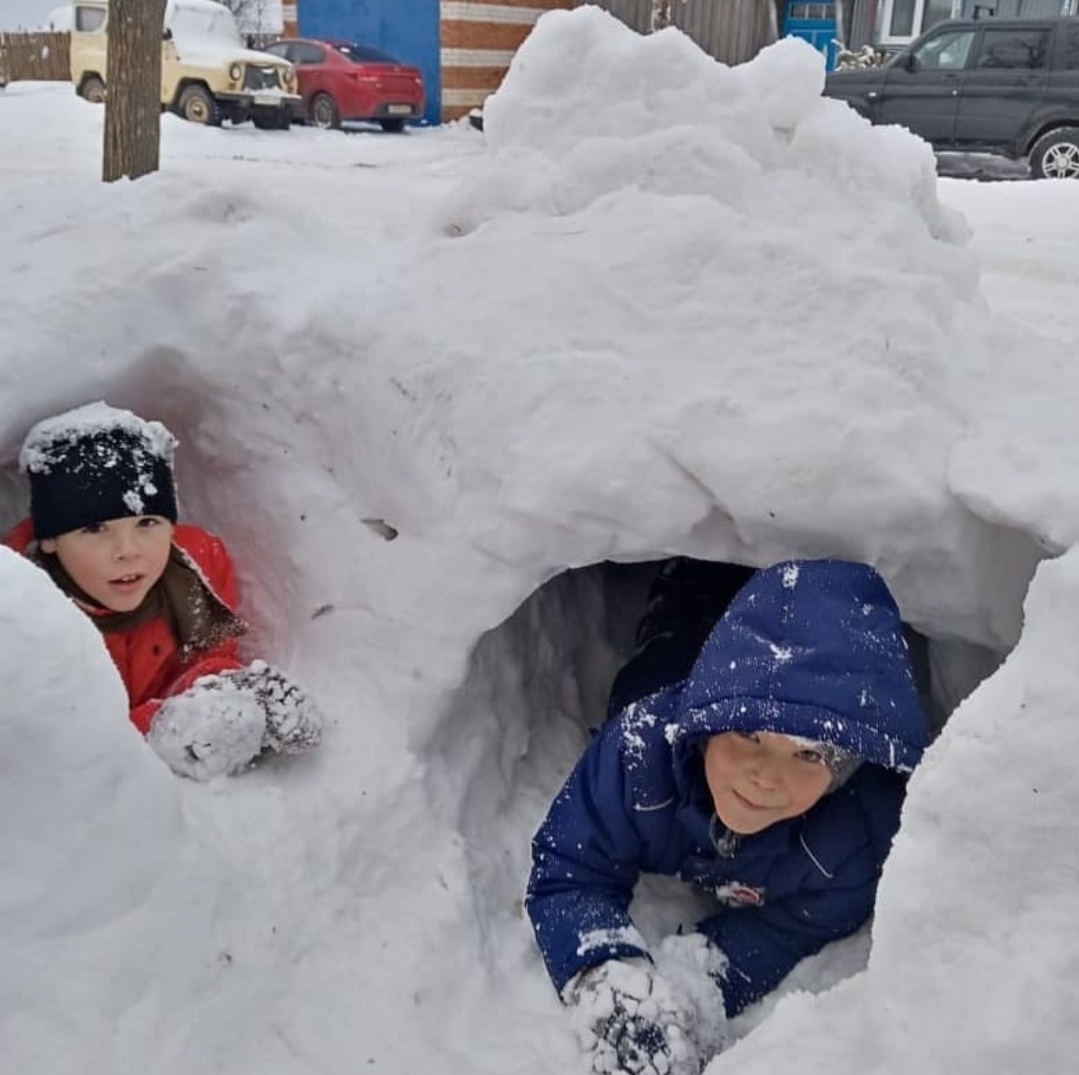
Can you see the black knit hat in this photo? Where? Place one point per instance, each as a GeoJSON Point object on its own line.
{"type": "Point", "coordinates": [97, 463]}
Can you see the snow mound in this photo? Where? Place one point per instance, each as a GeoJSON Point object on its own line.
{"type": "Point", "coordinates": [590, 108]}
{"type": "Point", "coordinates": [63, 711]}
{"type": "Point", "coordinates": [121, 901]}
{"type": "Point", "coordinates": [732, 228]}
{"type": "Point", "coordinates": [89, 822]}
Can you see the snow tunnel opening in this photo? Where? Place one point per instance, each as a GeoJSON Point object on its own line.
{"type": "Point", "coordinates": [225, 483]}
{"type": "Point", "coordinates": [535, 691]}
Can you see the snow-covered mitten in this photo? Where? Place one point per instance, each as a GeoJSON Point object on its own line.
{"type": "Point", "coordinates": [211, 729]}
{"type": "Point", "coordinates": [696, 967]}
{"type": "Point", "coordinates": [293, 723]}
{"type": "Point", "coordinates": [632, 1021]}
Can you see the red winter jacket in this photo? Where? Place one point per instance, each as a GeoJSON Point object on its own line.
{"type": "Point", "coordinates": [148, 656]}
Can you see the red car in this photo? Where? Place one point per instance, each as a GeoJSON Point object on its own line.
{"type": "Point", "coordinates": [343, 80]}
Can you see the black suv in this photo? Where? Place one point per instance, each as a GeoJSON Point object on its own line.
{"type": "Point", "coordinates": [1005, 86]}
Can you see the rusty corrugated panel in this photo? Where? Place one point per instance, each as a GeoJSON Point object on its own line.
{"type": "Point", "coordinates": [636, 14]}
{"type": "Point", "coordinates": [731, 30]}
{"type": "Point", "coordinates": [863, 23]}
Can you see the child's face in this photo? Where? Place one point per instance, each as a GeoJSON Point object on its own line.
{"type": "Point", "coordinates": [116, 562]}
{"type": "Point", "coordinates": [759, 778]}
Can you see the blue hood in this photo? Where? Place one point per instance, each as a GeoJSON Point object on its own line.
{"type": "Point", "coordinates": [813, 648]}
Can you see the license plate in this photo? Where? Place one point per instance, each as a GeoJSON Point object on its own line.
{"type": "Point", "coordinates": [399, 110]}
{"type": "Point", "coordinates": [267, 99]}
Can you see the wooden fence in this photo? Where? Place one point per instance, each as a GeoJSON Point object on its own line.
{"type": "Point", "coordinates": [39, 57]}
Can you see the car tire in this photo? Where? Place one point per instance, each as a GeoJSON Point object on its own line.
{"type": "Point", "coordinates": [197, 106]}
{"type": "Point", "coordinates": [322, 112]}
{"type": "Point", "coordinates": [1056, 154]}
{"type": "Point", "coordinates": [392, 126]}
{"type": "Point", "coordinates": [92, 89]}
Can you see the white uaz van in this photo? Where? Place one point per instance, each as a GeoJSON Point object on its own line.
{"type": "Point", "coordinates": [206, 73]}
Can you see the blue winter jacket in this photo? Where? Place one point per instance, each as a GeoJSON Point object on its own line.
{"type": "Point", "coordinates": [807, 648]}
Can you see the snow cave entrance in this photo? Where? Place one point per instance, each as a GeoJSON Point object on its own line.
{"type": "Point", "coordinates": [536, 688]}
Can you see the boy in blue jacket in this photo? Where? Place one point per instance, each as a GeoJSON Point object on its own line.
{"type": "Point", "coordinates": [761, 758]}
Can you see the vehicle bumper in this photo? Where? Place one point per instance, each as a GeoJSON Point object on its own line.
{"type": "Point", "coordinates": [369, 108]}
{"type": "Point", "coordinates": [399, 110]}
{"type": "Point", "coordinates": [252, 100]}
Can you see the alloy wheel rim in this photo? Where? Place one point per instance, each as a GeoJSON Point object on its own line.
{"type": "Point", "coordinates": [196, 110]}
{"type": "Point", "coordinates": [323, 113]}
{"type": "Point", "coordinates": [1062, 161]}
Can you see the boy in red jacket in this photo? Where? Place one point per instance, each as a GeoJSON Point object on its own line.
{"type": "Point", "coordinates": [103, 525]}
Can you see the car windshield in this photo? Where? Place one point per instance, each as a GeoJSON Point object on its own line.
{"type": "Point", "coordinates": [363, 54]}
{"type": "Point", "coordinates": [199, 23]}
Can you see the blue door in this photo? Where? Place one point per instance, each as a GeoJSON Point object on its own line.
{"type": "Point", "coordinates": [409, 32]}
{"type": "Point", "coordinates": [813, 22]}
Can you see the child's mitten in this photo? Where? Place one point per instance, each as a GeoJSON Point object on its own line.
{"type": "Point", "coordinates": [696, 968]}
{"type": "Point", "coordinates": [211, 729]}
{"type": "Point", "coordinates": [632, 1021]}
{"type": "Point", "coordinates": [293, 723]}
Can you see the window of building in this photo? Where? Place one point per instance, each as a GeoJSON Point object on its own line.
{"type": "Point", "coordinates": [903, 20]}
{"type": "Point", "coordinates": [811, 12]}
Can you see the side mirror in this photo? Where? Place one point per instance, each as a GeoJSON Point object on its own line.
{"type": "Point", "coordinates": [167, 34]}
{"type": "Point", "coordinates": [910, 61]}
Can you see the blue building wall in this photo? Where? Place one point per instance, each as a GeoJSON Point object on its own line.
{"type": "Point", "coordinates": [407, 29]}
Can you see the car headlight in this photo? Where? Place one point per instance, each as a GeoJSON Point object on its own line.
{"type": "Point", "coordinates": [236, 72]}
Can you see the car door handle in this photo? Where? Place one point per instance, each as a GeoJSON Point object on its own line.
{"type": "Point", "coordinates": [872, 95]}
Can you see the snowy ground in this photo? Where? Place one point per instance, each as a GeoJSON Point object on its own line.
{"type": "Point", "coordinates": [984, 166]}
{"type": "Point", "coordinates": [609, 333]}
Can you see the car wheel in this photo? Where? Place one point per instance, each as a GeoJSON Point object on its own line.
{"type": "Point", "coordinates": [93, 89]}
{"type": "Point", "coordinates": [197, 106]}
{"type": "Point", "coordinates": [393, 126]}
{"type": "Point", "coordinates": [1056, 154]}
{"type": "Point", "coordinates": [323, 112]}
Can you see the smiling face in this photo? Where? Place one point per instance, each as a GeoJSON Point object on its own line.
{"type": "Point", "coordinates": [115, 562]}
{"type": "Point", "coordinates": [759, 778]}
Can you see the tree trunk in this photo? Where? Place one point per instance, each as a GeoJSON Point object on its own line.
{"type": "Point", "coordinates": [661, 14]}
{"type": "Point", "coordinates": [133, 97]}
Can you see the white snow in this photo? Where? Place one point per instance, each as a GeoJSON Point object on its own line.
{"type": "Point", "coordinates": [56, 433]}
{"type": "Point", "coordinates": [666, 308]}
